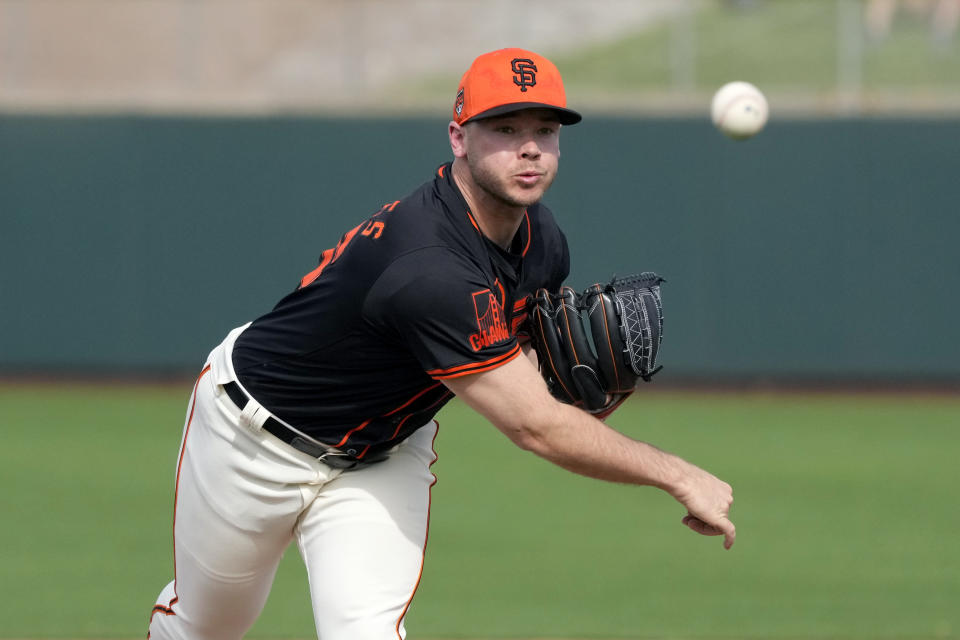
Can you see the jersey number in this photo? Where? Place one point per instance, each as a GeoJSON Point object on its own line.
{"type": "Point", "coordinates": [375, 228]}
{"type": "Point", "coordinates": [371, 228]}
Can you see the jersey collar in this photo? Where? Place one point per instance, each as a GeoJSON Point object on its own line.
{"type": "Point", "coordinates": [521, 241]}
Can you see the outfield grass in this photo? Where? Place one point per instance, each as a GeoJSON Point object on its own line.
{"type": "Point", "coordinates": [786, 48]}
{"type": "Point", "coordinates": [845, 505]}
{"type": "Point", "coordinates": [778, 45]}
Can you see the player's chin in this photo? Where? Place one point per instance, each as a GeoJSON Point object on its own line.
{"type": "Point", "coordinates": [527, 199]}
{"type": "Point", "coordinates": [526, 195]}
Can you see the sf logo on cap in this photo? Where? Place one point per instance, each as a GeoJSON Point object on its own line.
{"type": "Point", "coordinates": [525, 72]}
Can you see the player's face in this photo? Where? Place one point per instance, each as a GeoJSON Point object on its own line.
{"type": "Point", "coordinates": [514, 158]}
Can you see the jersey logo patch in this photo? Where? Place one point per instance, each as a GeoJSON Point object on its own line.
{"type": "Point", "coordinates": [491, 321]}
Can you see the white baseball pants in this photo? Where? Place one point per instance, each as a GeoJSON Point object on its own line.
{"type": "Point", "coordinates": [243, 496]}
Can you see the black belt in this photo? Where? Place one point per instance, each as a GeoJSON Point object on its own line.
{"type": "Point", "coordinates": [330, 456]}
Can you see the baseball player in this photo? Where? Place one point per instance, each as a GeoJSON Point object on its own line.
{"type": "Point", "coordinates": [315, 422]}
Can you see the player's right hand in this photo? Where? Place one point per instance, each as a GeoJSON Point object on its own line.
{"type": "Point", "coordinates": [708, 500]}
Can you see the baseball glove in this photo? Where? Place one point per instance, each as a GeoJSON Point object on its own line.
{"type": "Point", "coordinates": [597, 373]}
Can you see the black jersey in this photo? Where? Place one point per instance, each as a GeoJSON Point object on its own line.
{"type": "Point", "coordinates": [415, 294]}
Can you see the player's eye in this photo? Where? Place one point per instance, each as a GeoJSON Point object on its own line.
{"type": "Point", "coordinates": [505, 129]}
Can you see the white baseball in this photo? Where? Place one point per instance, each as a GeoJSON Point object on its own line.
{"type": "Point", "coordinates": [739, 110]}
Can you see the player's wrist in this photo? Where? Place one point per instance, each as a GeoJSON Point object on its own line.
{"type": "Point", "coordinates": [673, 474]}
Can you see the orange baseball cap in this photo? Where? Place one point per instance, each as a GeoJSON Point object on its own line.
{"type": "Point", "coordinates": [509, 80]}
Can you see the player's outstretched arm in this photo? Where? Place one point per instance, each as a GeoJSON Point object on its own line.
{"type": "Point", "coordinates": [515, 399]}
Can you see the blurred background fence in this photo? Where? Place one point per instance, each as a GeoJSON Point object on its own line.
{"type": "Point", "coordinates": [169, 168]}
{"type": "Point", "coordinates": [384, 56]}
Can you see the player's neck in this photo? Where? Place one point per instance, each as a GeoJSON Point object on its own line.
{"type": "Point", "coordinates": [497, 220]}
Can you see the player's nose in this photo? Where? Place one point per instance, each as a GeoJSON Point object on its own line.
{"type": "Point", "coordinates": [530, 150]}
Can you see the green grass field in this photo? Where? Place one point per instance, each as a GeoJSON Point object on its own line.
{"type": "Point", "coordinates": [778, 45]}
{"type": "Point", "coordinates": [786, 48]}
{"type": "Point", "coordinates": [846, 509]}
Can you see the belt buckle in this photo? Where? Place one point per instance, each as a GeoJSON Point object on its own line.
{"type": "Point", "coordinates": [315, 449]}
{"type": "Point", "coordinates": [337, 460]}
{"type": "Point", "coordinates": [330, 457]}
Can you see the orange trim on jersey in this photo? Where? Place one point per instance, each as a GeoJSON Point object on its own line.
{"type": "Point", "coordinates": [407, 403]}
{"type": "Point", "coordinates": [391, 412]}
{"type": "Point", "coordinates": [475, 367]}
{"type": "Point", "coordinates": [352, 431]}
{"type": "Point", "coordinates": [520, 314]}
{"type": "Point", "coordinates": [440, 170]}
{"type": "Point", "coordinates": [168, 609]}
{"type": "Point", "coordinates": [474, 222]}
{"type": "Point", "coordinates": [400, 425]}
{"type": "Point", "coordinates": [438, 401]}
{"type": "Point", "coordinates": [517, 322]}
{"type": "Point", "coordinates": [426, 533]}
{"type": "Point", "coordinates": [526, 216]}
{"type": "Point", "coordinates": [527, 246]}
{"type": "Point", "coordinates": [393, 206]}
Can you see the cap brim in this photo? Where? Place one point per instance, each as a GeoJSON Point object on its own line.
{"type": "Point", "coordinates": [565, 116]}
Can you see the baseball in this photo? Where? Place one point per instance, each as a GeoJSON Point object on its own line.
{"type": "Point", "coordinates": [739, 110]}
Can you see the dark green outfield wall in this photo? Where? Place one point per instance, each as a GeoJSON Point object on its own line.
{"type": "Point", "coordinates": [819, 249]}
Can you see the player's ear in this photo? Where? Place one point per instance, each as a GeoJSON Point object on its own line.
{"type": "Point", "coordinates": [458, 139]}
